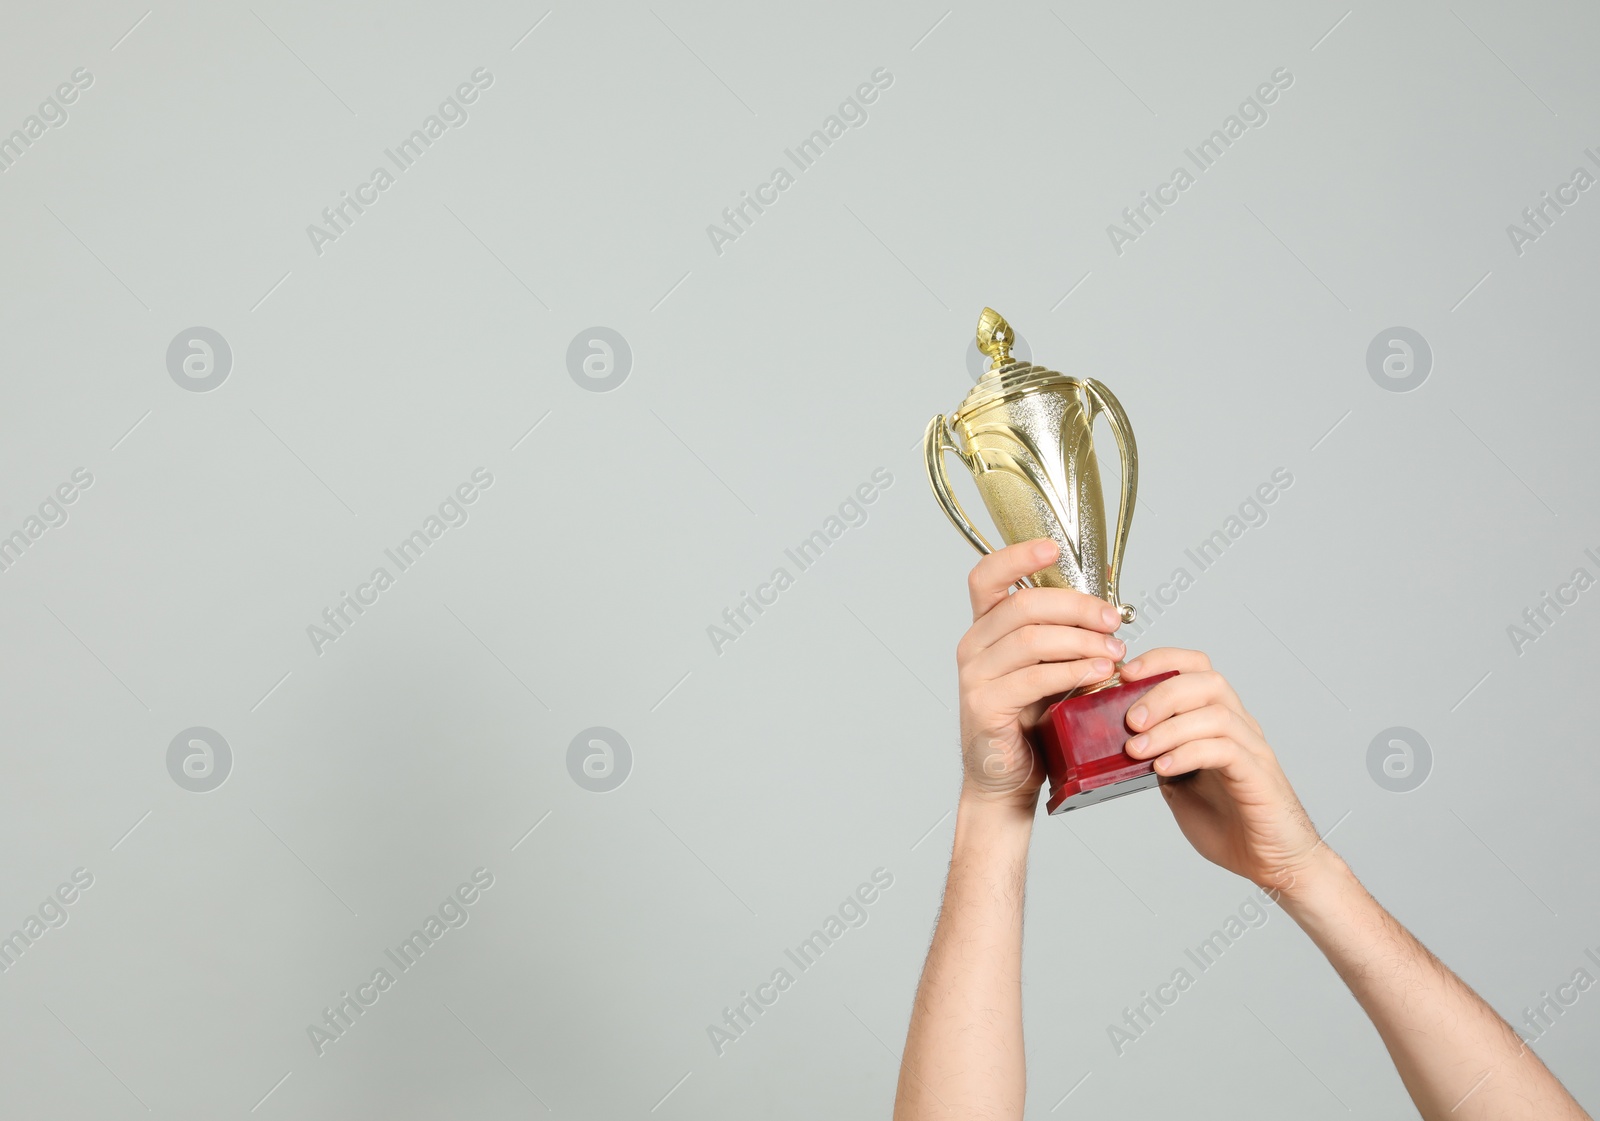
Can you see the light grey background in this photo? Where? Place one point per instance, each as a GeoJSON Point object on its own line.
{"type": "Point", "coordinates": [767, 383]}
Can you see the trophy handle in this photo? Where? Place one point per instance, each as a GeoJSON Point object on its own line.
{"type": "Point", "coordinates": [939, 440]}
{"type": "Point", "coordinates": [1122, 429]}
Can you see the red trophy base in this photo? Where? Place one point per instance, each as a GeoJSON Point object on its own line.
{"type": "Point", "coordinates": [1081, 739]}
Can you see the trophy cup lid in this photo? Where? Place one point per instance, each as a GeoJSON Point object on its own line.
{"type": "Point", "coordinates": [1008, 378]}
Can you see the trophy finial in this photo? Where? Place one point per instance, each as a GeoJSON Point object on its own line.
{"type": "Point", "coordinates": [995, 337]}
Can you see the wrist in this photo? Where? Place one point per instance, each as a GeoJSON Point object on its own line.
{"type": "Point", "coordinates": [1315, 891]}
{"type": "Point", "coordinates": [990, 823]}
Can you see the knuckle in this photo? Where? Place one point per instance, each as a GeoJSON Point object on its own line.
{"type": "Point", "coordinates": [1035, 639]}
{"type": "Point", "coordinates": [1086, 609]}
{"type": "Point", "coordinates": [1086, 602]}
{"type": "Point", "coordinates": [1222, 718]}
{"type": "Point", "coordinates": [1037, 680]}
{"type": "Point", "coordinates": [1030, 603]}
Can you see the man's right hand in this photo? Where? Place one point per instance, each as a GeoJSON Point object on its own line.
{"type": "Point", "coordinates": [1022, 652]}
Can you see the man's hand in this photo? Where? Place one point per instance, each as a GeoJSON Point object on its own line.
{"type": "Point", "coordinates": [1235, 806]}
{"type": "Point", "coordinates": [1023, 651]}
{"type": "Point", "coordinates": [1458, 1059]}
{"type": "Point", "coordinates": [964, 1055]}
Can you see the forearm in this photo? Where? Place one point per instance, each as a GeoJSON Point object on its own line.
{"type": "Point", "coordinates": [963, 1056]}
{"type": "Point", "coordinates": [1458, 1059]}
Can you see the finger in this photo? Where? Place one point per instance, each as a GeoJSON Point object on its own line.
{"type": "Point", "coordinates": [1213, 721]}
{"type": "Point", "coordinates": [1041, 642]}
{"type": "Point", "coordinates": [1183, 693]}
{"type": "Point", "coordinates": [992, 577]}
{"type": "Point", "coordinates": [1219, 754]}
{"type": "Point", "coordinates": [1016, 691]}
{"type": "Point", "coordinates": [1193, 663]}
{"type": "Point", "coordinates": [1065, 607]}
{"type": "Point", "coordinates": [1165, 658]}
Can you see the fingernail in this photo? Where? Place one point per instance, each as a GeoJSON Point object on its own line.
{"type": "Point", "coordinates": [1101, 665]}
{"type": "Point", "coordinates": [1109, 617]}
{"type": "Point", "coordinates": [1137, 744]}
{"type": "Point", "coordinates": [1116, 647]}
{"type": "Point", "coordinates": [1137, 716]}
{"type": "Point", "coordinates": [1130, 668]}
{"type": "Point", "coordinates": [1045, 550]}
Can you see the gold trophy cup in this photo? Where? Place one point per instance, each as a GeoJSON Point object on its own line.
{"type": "Point", "coordinates": [1026, 433]}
